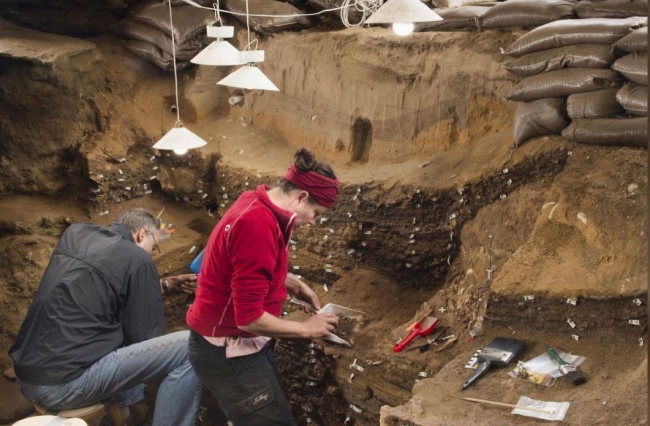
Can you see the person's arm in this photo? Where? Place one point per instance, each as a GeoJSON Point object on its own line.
{"type": "Point", "coordinates": [302, 291]}
{"type": "Point", "coordinates": [315, 327]}
{"type": "Point", "coordinates": [142, 316]}
{"type": "Point", "coordinates": [184, 283]}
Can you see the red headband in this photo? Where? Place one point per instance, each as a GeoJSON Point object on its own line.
{"type": "Point", "coordinates": [323, 189]}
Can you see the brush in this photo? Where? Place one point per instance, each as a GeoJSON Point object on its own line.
{"type": "Point", "coordinates": [574, 375]}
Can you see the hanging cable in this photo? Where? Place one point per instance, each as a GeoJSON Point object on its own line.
{"type": "Point", "coordinates": [217, 16]}
{"type": "Point", "coordinates": [365, 7]}
{"type": "Point", "coordinates": [171, 24]}
{"type": "Point", "coordinates": [248, 26]}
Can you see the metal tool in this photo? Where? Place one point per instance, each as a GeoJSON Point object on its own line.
{"type": "Point", "coordinates": [421, 328]}
{"type": "Point", "coordinates": [437, 336]}
{"type": "Point", "coordinates": [449, 340]}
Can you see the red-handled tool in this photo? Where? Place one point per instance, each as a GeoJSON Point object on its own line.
{"type": "Point", "coordinates": [422, 328]}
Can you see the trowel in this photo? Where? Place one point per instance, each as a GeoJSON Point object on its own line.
{"type": "Point", "coordinates": [331, 308]}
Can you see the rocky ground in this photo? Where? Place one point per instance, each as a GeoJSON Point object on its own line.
{"type": "Point", "coordinates": [432, 198]}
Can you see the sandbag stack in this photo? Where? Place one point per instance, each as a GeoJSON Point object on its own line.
{"type": "Point", "coordinates": [280, 16]}
{"type": "Point", "coordinates": [568, 84]}
{"type": "Point", "coordinates": [527, 13]}
{"type": "Point", "coordinates": [455, 19]}
{"type": "Point", "coordinates": [146, 32]}
{"type": "Point", "coordinates": [633, 96]}
{"type": "Point", "coordinates": [478, 15]}
{"type": "Point", "coordinates": [587, 9]}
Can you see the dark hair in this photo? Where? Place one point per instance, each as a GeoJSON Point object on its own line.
{"type": "Point", "coordinates": [305, 161]}
{"type": "Point", "coordinates": [134, 219]}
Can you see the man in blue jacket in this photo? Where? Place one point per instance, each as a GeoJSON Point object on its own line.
{"type": "Point", "coordinates": [96, 327]}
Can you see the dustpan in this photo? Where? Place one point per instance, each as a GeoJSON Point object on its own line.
{"type": "Point", "coordinates": [331, 308]}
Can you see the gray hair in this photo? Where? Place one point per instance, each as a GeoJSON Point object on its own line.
{"type": "Point", "coordinates": [134, 219]}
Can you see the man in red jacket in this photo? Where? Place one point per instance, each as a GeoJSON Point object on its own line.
{"type": "Point", "coordinates": [242, 287]}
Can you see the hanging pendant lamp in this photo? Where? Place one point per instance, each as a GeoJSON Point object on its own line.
{"type": "Point", "coordinates": [179, 140]}
{"type": "Point", "coordinates": [250, 77]}
{"type": "Point", "coordinates": [219, 52]}
{"type": "Point", "coordinates": [402, 14]}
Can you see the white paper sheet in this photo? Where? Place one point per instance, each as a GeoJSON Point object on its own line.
{"type": "Point", "coordinates": [556, 410]}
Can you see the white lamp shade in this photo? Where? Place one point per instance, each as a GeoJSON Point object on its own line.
{"type": "Point", "coordinates": [403, 11]}
{"type": "Point", "coordinates": [249, 77]}
{"type": "Point", "coordinates": [220, 32]}
{"type": "Point", "coordinates": [179, 139]}
{"type": "Point", "coordinates": [219, 53]}
{"type": "Point", "coordinates": [253, 56]}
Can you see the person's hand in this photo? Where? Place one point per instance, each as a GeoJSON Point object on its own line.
{"type": "Point", "coordinates": [320, 325]}
{"type": "Point", "coordinates": [185, 283]}
{"type": "Point", "coordinates": [302, 291]}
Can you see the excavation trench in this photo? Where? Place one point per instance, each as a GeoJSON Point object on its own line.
{"type": "Point", "coordinates": [381, 236]}
{"type": "Point", "coordinates": [436, 214]}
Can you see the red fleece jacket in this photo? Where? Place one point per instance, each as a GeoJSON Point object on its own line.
{"type": "Point", "coordinates": [244, 267]}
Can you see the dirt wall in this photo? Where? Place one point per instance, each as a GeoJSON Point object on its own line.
{"type": "Point", "coordinates": [370, 95]}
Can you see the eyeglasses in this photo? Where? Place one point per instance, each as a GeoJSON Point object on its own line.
{"type": "Point", "coordinates": [156, 246]}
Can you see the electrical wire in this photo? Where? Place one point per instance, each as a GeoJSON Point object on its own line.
{"type": "Point", "coordinates": [171, 24]}
{"type": "Point", "coordinates": [367, 7]}
{"type": "Point", "coordinates": [248, 26]}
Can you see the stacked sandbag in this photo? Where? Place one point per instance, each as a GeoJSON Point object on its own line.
{"type": "Point", "coordinates": [576, 56]}
{"type": "Point", "coordinates": [572, 32]}
{"type": "Point", "coordinates": [568, 84]}
{"type": "Point", "coordinates": [147, 33]}
{"type": "Point", "coordinates": [540, 117]}
{"type": "Point", "coordinates": [527, 13]}
{"type": "Point", "coordinates": [150, 53]}
{"type": "Point", "coordinates": [279, 16]}
{"type": "Point", "coordinates": [609, 131]}
{"type": "Point", "coordinates": [455, 19]}
{"type": "Point", "coordinates": [586, 9]}
{"type": "Point", "coordinates": [451, 4]}
{"type": "Point", "coordinates": [136, 31]}
{"type": "Point", "coordinates": [596, 104]}
{"type": "Point", "coordinates": [633, 96]}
